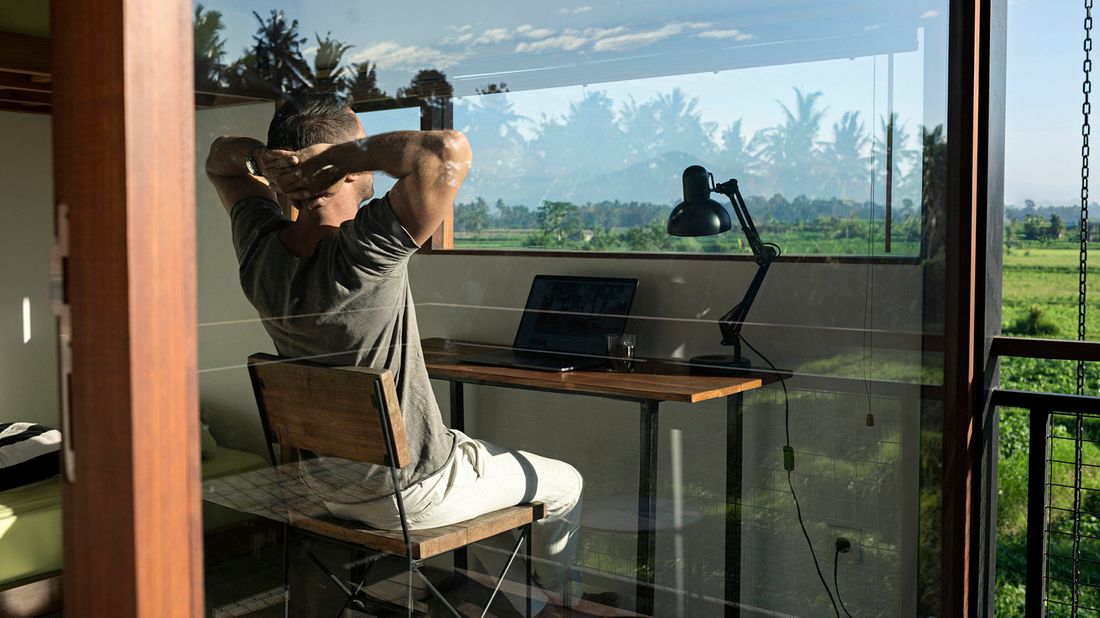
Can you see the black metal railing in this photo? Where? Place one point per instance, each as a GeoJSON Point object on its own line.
{"type": "Point", "coordinates": [1042, 408]}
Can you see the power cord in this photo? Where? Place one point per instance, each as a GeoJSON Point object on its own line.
{"type": "Point", "coordinates": [788, 465]}
{"type": "Point", "coordinates": [843, 546]}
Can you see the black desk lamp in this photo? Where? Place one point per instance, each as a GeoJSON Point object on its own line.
{"type": "Point", "coordinates": [698, 215]}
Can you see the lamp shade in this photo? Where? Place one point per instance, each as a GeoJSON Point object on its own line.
{"type": "Point", "coordinates": [698, 215]}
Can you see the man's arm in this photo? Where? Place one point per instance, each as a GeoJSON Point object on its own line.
{"type": "Point", "coordinates": [429, 166]}
{"type": "Point", "coordinates": [225, 167]}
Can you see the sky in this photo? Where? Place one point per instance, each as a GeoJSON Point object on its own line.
{"type": "Point", "coordinates": [796, 42]}
{"type": "Point", "coordinates": [1043, 102]}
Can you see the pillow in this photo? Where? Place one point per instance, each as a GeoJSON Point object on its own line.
{"type": "Point", "coordinates": [28, 454]}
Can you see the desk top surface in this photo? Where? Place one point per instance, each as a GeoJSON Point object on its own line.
{"type": "Point", "coordinates": [657, 380]}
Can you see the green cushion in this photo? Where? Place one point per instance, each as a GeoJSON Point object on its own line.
{"type": "Point", "coordinates": [30, 517]}
{"type": "Point", "coordinates": [30, 530]}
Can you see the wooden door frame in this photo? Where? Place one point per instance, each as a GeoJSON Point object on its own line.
{"type": "Point", "coordinates": [972, 272]}
{"type": "Point", "coordinates": [124, 168]}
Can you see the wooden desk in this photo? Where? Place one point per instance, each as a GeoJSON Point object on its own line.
{"type": "Point", "coordinates": [652, 382]}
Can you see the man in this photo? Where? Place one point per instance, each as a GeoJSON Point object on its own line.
{"type": "Point", "coordinates": [332, 286]}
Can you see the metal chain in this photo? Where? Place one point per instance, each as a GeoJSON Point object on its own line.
{"type": "Point", "coordinates": [1083, 228]}
{"type": "Point", "coordinates": [1086, 109]}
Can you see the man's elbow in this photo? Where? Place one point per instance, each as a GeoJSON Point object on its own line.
{"type": "Point", "coordinates": [212, 156]}
{"type": "Point", "coordinates": [453, 147]}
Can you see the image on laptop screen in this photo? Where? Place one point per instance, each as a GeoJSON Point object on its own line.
{"type": "Point", "coordinates": [574, 314]}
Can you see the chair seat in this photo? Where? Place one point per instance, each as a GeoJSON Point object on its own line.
{"type": "Point", "coordinates": [430, 541]}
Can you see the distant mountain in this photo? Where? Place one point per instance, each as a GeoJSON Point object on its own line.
{"type": "Point", "coordinates": [655, 180]}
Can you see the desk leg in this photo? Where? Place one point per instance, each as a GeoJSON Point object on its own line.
{"type": "Point", "coordinates": [458, 421]}
{"type": "Point", "coordinates": [458, 407]}
{"type": "Point", "coordinates": [647, 507]}
{"type": "Point", "coordinates": [735, 408]}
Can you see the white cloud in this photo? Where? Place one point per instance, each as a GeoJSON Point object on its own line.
{"type": "Point", "coordinates": [461, 39]}
{"type": "Point", "coordinates": [732, 33]}
{"type": "Point", "coordinates": [929, 14]}
{"type": "Point", "coordinates": [538, 33]}
{"type": "Point", "coordinates": [569, 39]}
{"type": "Point", "coordinates": [393, 55]}
{"type": "Point", "coordinates": [490, 36]}
{"type": "Point", "coordinates": [646, 37]}
{"type": "Point", "coordinates": [494, 35]}
{"type": "Point", "coordinates": [524, 28]}
{"type": "Point", "coordinates": [576, 11]}
{"type": "Point", "coordinates": [566, 42]}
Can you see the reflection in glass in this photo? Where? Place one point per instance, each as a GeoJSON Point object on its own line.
{"type": "Point", "coordinates": [581, 119]}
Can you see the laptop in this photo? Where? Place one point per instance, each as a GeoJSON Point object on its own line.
{"type": "Point", "coordinates": [565, 323]}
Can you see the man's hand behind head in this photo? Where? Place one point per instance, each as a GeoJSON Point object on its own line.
{"type": "Point", "coordinates": [308, 173]}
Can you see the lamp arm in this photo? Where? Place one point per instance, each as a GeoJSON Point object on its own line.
{"type": "Point", "coordinates": [730, 190]}
{"type": "Point", "coordinates": [731, 323]}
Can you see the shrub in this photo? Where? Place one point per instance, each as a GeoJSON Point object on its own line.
{"type": "Point", "coordinates": [1034, 323]}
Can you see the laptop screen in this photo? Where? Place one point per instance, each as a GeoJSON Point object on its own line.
{"type": "Point", "coordinates": [574, 314]}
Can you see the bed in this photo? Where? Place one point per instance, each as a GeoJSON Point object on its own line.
{"type": "Point", "coordinates": [30, 534]}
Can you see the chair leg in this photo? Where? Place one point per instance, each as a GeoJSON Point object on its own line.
{"type": "Point", "coordinates": [503, 574]}
{"type": "Point", "coordinates": [362, 582]}
{"type": "Point", "coordinates": [286, 570]}
{"type": "Point", "coordinates": [527, 542]}
{"type": "Point", "coordinates": [438, 594]}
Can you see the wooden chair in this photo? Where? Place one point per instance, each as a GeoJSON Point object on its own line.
{"type": "Point", "coordinates": [353, 413]}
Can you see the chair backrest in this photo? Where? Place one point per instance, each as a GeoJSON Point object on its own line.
{"type": "Point", "coordinates": [331, 411]}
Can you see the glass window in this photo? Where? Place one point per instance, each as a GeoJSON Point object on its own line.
{"type": "Point", "coordinates": [30, 417]}
{"type": "Point", "coordinates": [581, 118]}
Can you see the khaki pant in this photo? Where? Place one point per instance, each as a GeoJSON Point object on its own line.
{"type": "Point", "coordinates": [481, 477]}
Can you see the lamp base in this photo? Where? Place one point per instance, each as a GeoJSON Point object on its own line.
{"type": "Point", "coordinates": [718, 365]}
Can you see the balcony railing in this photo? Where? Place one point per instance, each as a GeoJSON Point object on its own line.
{"type": "Point", "coordinates": [1041, 487]}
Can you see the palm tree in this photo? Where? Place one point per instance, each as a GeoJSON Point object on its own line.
{"type": "Point", "coordinates": [428, 84]}
{"type": "Point", "coordinates": [845, 173]}
{"type": "Point", "coordinates": [668, 123]}
{"type": "Point", "coordinates": [906, 172]}
{"type": "Point", "coordinates": [791, 149]}
{"type": "Point", "coordinates": [209, 48]}
{"type": "Point", "coordinates": [586, 140]}
{"type": "Point", "coordinates": [492, 126]}
{"type": "Point", "coordinates": [364, 85]}
{"type": "Point", "coordinates": [279, 65]}
{"type": "Point", "coordinates": [739, 157]}
{"type": "Point", "coordinates": [328, 72]}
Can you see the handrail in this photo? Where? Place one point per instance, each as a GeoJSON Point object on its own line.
{"type": "Point", "coordinates": [1050, 349]}
{"type": "Point", "coordinates": [1040, 407]}
{"type": "Point", "coordinates": [1045, 402]}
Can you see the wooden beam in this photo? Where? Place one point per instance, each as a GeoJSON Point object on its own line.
{"type": "Point", "coordinates": [21, 96]}
{"type": "Point", "coordinates": [132, 531]}
{"type": "Point", "coordinates": [23, 53]}
{"type": "Point", "coordinates": [968, 114]}
{"type": "Point", "coordinates": [22, 107]}
{"type": "Point", "coordinates": [20, 81]}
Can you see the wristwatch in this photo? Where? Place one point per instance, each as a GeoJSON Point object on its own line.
{"type": "Point", "coordinates": [251, 165]}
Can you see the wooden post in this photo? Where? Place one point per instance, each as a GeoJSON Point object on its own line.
{"type": "Point", "coordinates": [124, 166]}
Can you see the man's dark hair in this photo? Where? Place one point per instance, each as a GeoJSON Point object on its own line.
{"type": "Point", "coordinates": [308, 118]}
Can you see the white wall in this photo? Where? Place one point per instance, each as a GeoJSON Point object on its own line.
{"type": "Point", "coordinates": [28, 370]}
{"type": "Point", "coordinates": [867, 497]}
{"type": "Point", "coordinates": [853, 480]}
{"type": "Point", "coordinates": [228, 328]}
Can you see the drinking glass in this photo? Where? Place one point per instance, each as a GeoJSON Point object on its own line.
{"type": "Point", "coordinates": [620, 349]}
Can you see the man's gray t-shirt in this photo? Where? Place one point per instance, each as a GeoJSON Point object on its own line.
{"type": "Point", "coordinates": [347, 304]}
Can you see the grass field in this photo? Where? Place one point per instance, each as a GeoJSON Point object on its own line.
{"type": "Point", "coordinates": [801, 242]}
{"type": "Point", "coordinates": [1044, 277]}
